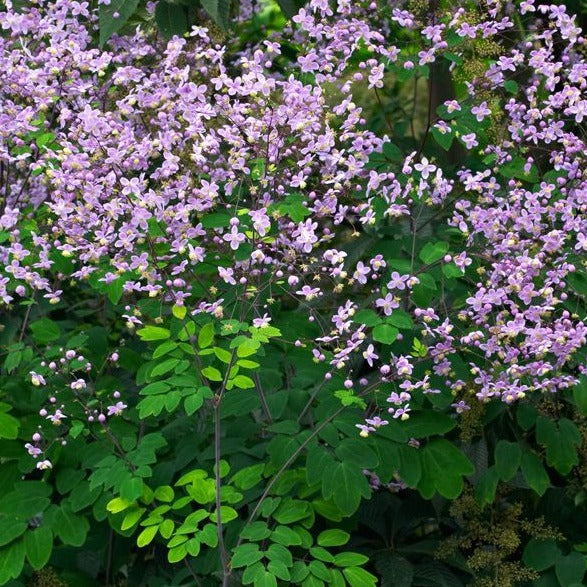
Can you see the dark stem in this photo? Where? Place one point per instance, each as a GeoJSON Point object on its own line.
{"type": "Point", "coordinates": [216, 401]}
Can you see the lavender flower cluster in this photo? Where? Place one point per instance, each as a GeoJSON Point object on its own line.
{"type": "Point", "coordinates": [209, 178]}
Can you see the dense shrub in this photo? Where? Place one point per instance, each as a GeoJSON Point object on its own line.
{"type": "Point", "coordinates": [300, 302]}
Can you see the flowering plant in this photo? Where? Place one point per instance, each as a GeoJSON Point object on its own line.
{"type": "Point", "coordinates": [262, 284]}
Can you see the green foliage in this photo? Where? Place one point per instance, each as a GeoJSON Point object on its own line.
{"type": "Point", "coordinates": [113, 17]}
{"type": "Point", "coordinates": [237, 458]}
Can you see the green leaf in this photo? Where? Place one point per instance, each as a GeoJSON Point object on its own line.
{"type": "Point", "coordinates": [427, 423]}
{"type": "Point", "coordinates": [450, 271]}
{"type": "Point", "coordinates": [264, 578]}
{"type": "Point", "coordinates": [406, 460]}
{"type": "Point", "coordinates": [206, 335]}
{"type": "Point", "coordinates": [290, 7]}
{"type": "Point", "coordinates": [534, 472]}
{"type": "Point", "coordinates": [11, 561]}
{"type": "Point", "coordinates": [487, 486]}
{"type": "Point", "coordinates": [69, 527]}
{"type": "Point", "coordinates": [280, 449]}
{"type": "Point", "coordinates": [508, 456]}
{"type": "Point", "coordinates": [294, 206]}
{"type": "Point", "coordinates": [223, 355]}
{"type": "Point", "coordinates": [132, 517]}
{"type": "Point", "coordinates": [28, 499]}
{"type": "Point", "coordinates": [385, 333]}
{"type": "Point", "coordinates": [350, 559]}
{"type": "Point", "coordinates": [561, 440]}
{"type": "Point", "coordinates": [541, 554]}
{"type": "Point", "coordinates": [177, 554]}
{"type": "Point", "coordinates": [131, 489]}
{"type": "Point", "coordinates": [146, 536]}
{"type": "Point", "coordinates": [580, 395]}
{"type": "Point", "coordinates": [526, 415]}
{"type": "Point", "coordinates": [248, 477]}
{"type": "Point", "coordinates": [164, 367]}
{"type": "Point", "coordinates": [358, 577]}
{"type": "Point", "coordinates": [350, 485]}
{"type": "Point", "coordinates": [280, 570]}
{"type": "Point", "coordinates": [357, 452]}
{"type": "Point", "coordinates": [443, 139]}
{"type": "Point", "coordinates": [218, 10]}
{"type": "Point", "coordinates": [515, 169]}
{"type": "Point", "coordinates": [39, 545]}
{"type": "Point", "coordinates": [571, 569]}
{"type": "Point", "coordinates": [400, 319]}
{"type": "Point", "coordinates": [164, 493]}
{"type": "Point", "coordinates": [245, 555]}
{"type": "Point", "coordinates": [432, 252]}
{"type": "Point", "coordinates": [333, 537]}
{"type": "Point", "coordinates": [318, 459]}
{"type": "Point", "coordinates": [193, 403]}
{"type": "Point", "coordinates": [114, 290]}
{"type": "Point", "coordinates": [227, 514]}
{"type": "Point", "coordinates": [319, 570]}
{"type": "Point", "coordinates": [212, 374]}
{"type": "Point", "coordinates": [10, 529]}
{"type": "Point", "coordinates": [321, 554]}
{"type": "Point", "coordinates": [292, 510]}
{"type": "Point", "coordinates": [108, 23]}
{"type": "Point", "coordinates": [178, 311]}
{"type": "Point", "coordinates": [171, 19]}
{"type": "Point", "coordinates": [285, 536]}
{"type": "Point", "coordinates": [164, 348]}
{"type": "Point", "coordinates": [12, 362]}
{"type": "Point", "coordinates": [256, 531]}
{"type": "Point", "coordinates": [277, 552]}
{"type": "Point", "coordinates": [243, 382]}
{"type": "Point", "coordinates": [153, 333]}
{"type": "Point", "coordinates": [45, 330]}
{"type": "Point", "coordinates": [443, 468]}
{"type": "Point", "coordinates": [8, 426]}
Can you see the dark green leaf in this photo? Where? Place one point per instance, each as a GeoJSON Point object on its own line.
{"type": "Point", "coordinates": [534, 472]}
{"type": "Point", "coordinates": [427, 423]}
{"type": "Point", "coordinates": [571, 569]}
{"type": "Point", "coordinates": [443, 468]}
{"type": "Point", "coordinates": [561, 440]}
{"type": "Point", "coordinates": [10, 529]}
{"type": "Point", "coordinates": [486, 486]}
{"type": "Point", "coordinates": [171, 19]}
{"type": "Point", "coordinates": [508, 456]}
{"type": "Point", "coordinates": [109, 25]}
{"type": "Point", "coordinates": [71, 528]}
{"type": "Point", "coordinates": [350, 485]}
{"type": "Point", "coordinates": [246, 555]}
{"type": "Point", "coordinates": [290, 7]}
{"type": "Point", "coordinates": [580, 395]}
{"type": "Point", "coordinates": [11, 561]}
{"type": "Point", "coordinates": [357, 452]}
{"type": "Point", "coordinates": [218, 10]}
{"type": "Point", "coordinates": [541, 554]}
{"type": "Point", "coordinates": [45, 330]}
{"type": "Point", "coordinates": [39, 545]}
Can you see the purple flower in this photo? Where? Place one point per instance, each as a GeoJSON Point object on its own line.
{"type": "Point", "coordinates": [116, 409]}
{"type": "Point", "coordinates": [388, 304]}
{"type": "Point", "coordinates": [425, 168]}
{"type": "Point", "coordinates": [235, 238]}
